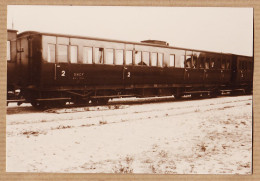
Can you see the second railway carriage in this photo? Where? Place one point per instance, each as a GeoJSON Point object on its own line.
{"type": "Point", "coordinates": [55, 68]}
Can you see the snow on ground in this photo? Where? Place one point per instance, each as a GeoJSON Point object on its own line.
{"type": "Point", "coordinates": [207, 136]}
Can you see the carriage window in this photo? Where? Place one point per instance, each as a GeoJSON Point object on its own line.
{"type": "Point", "coordinates": [73, 54]}
{"type": "Point", "coordinates": [228, 64]}
{"type": "Point", "coordinates": [160, 60]}
{"type": "Point", "coordinates": [8, 56]}
{"type": "Point", "coordinates": [51, 53]}
{"type": "Point", "coordinates": [109, 56]}
{"type": "Point", "coordinates": [87, 55]}
{"type": "Point", "coordinates": [172, 60]}
{"type": "Point", "coordinates": [218, 63]}
{"type": "Point", "coordinates": [188, 61]}
{"type": "Point", "coordinates": [223, 64]}
{"type": "Point", "coordinates": [202, 62]}
{"type": "Point", "coordinates": [182, 61]}
{"type": "Point", "coordinates": [99, 55]}
{"type": "Point", "coordinates": [145, 58]}
{"type": "Point", "coordinates": [138, 58]}
{"type": "Point", "coordinates": [207, 63]}
{"type": "Point", "coordinates": [195, 62]}
{"type": "Point", "coordinates": [212, 63]}
{"type": "Point", "coordinates": [128, 57]}
{"type": "Point", "coordinates": [62, 54]}
{"type": "Point", "coordinates": [241, 65]}
{"type": "Point", "coordinates": [119, 57]}
{"type": "Point", "coordinates": [154, 59]}
{"type": "Point", "coordinates": [245, 65]}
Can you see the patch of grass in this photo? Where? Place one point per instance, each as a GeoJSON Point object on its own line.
{"type": "Point", "coordinates": [227, 122]}
{"type": "Point", "coordinates": [153, 169]}
{"type": "Point", "coordinates": [163, 154]}
{"type": "Point", "coordinates": [243, 122]}
{"type": "Point", "coordinates": [163, 167]}
{"type": "Point", "coordinates": [197, 110]}
{"type": "Point", "coordinates": [28, 133]}
{"type": "Point", "coordinates": [148, 160]}
{"type": "Point", "coordinates": [224, 146]}
{"type": "Point", "coordinates": [247, 165]}
{"type": "Point", "coordinates": [117, 106]}
{"type": "Point", "coordinates": [102, 122]}
{"type": "Point", "coordinates": [228, 107]}
{"type": "Point", "coordinates": [124, 166]}
{"type": "Point", "coordinates": [202, 147]}
{"type": "Point", "coordinates": [87, 125]}
{"type": "Point", "coordinates": [63, 127]}
{"type": "Point", "coordinates": [123, 120]}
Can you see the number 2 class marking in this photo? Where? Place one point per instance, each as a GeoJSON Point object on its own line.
{"type": "Point", "coordinates": [63, 73]}
{"type": "Point", "coordinates": [128, 74]}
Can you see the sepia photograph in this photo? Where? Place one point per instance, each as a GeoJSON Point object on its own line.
{"type": "Point", "coordinates": [129, 89]}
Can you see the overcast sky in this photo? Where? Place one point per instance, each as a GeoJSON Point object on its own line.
{"type": "Point", "coordinates": [228, 30]}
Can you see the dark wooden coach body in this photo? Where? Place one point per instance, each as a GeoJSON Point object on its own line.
{"type": "Point", "coordinates": [55, 67]}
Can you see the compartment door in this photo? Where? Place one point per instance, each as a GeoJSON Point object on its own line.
{"type": "Point", "coordinates": [23, 61]}
{"type": "Point", "coordinates": [128, 70]}
{"type": "Point", "coordinates": [61, 73]}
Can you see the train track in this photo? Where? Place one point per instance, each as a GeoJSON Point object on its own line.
{"type": "Point", "coordinates": [114, 102]}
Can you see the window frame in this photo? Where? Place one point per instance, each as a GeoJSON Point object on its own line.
{"type": "Point", "coordinates": [97, 54]}
{"type": "Point", "coordinates": [223, 62]}
{"type": "Point", "coordinates": [135, 55]}
{"type": "Point", "coordinates": [86, 48]}
{"type": "Point", "coordinates": [193, 65]}
{"type": "Point", "coordinates": [207, 62]}
{"type": "Point", "coordinates": [57, 56]}
{"type": "Point", "coordinates": [218, 63]}
{"type": "Point", "coordinates": [212, 66]}
{"type": "Point", "coordinates": [116, 56]}
{"type": "Point", "coordinates": [108, 51]}
{"type": "Point", "coordinates": [156, 59]}
{"type": "Point", "coordinates": [143, 57]}
{"type": "Point", "coordinates": [126, 57]}
{"type": "Point", "coordinates": [186, 58]}
{"type": "Point", "coordinates": [70, 56]}
{"type": "Point", "coordinates": [55, 53]}
{"type": "Point", "coordinates": [172, 55]}
{"type": "Point", "coordinates": [228, 64]}
{"type": "Point", "coordinates": [202, 62]}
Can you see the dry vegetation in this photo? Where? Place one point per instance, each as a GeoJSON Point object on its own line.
{"type": "Point", "coordinates": [210, 136]}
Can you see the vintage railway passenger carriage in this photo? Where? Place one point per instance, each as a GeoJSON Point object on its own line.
{"type": "Point", "coordinates": [51, 69]}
